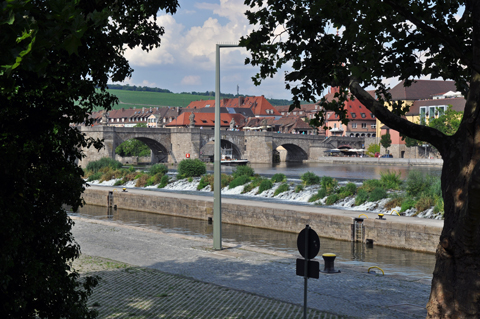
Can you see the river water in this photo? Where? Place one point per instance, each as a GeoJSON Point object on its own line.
{"type": "Point", "coordinates": [351, 171]}
{"type": "Point", "coordinates": [392, 261]}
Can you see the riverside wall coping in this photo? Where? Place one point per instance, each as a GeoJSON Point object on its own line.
{"type": "Point", "coordinates": [411, 233]}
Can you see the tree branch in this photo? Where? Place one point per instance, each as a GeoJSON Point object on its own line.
{"type": "Point", "coordinates": [400, 124]}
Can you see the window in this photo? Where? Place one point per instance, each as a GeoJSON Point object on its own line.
{"type": "Point", "coordinates": [301, 112]}
{"type": "Point", "coordinates": [372, 115]}
{"type": "Point", "coordinates": [364, 125]}
{"type": "Point", "coordinates": [354, 125]}
{"type": "Point", "coordinates": [336, 116]}
{"type": "Point", "coordinates": [335, 125]}
{"type": "Point", "coordinates": [354, 115]}
{"type": "Point", "coordinates": [363, 115]}
{"type": "Point", "coordinates": [359, 106]}
{"type": "Point", "coordinates": [294, 113]}
{"type": "Point", "coordinates": [373, 126]}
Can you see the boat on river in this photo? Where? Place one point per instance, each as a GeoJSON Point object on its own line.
{"type": "Point", "coordinates": [228, 159]}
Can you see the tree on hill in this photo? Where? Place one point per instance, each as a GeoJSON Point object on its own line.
{"type": "Point", "coordinates": [386, 141]}
{"type": "Point", "coordinates": [392, 39]}
{"type": "Point", "coordinates": [55, 60]}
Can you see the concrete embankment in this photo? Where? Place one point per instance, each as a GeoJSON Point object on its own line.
{"type": "Point", "coordinates": [400, 232]}
{"type": "Point", "coordinates": [379, 161]}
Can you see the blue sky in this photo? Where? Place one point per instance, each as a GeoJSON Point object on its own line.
{"type": "Point", "coordinates": [185, 61]}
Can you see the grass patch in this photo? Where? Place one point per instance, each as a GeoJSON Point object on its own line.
{"type": "Point", "coordinates": [278, 178]}
{"type": "Point", "coordinates": [163, 181]}
{"type": "Point", "coordinates": [310, 178]}
{"type": "Point", "coordinates": [240, 180]}
{"type": "Point", "coordinates": [266, 184]}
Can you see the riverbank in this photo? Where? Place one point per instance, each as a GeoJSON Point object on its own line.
{"type": "Point", "coordinates": [379, 161]}
{"type": "Point", "coordinates": [148, 273]}
{"type": "Point", "coordinates": [395, 231]}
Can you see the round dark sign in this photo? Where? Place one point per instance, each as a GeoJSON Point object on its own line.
{"type": "Point", "coordinates": [313, 243]}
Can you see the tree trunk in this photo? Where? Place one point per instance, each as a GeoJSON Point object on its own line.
{"type": "Point", "coordinates": [455, 289]}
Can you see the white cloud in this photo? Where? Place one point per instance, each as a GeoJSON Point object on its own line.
{"type": "Point", "coordinates": [191, 80]}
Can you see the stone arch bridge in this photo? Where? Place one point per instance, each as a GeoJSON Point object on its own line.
{"type": "Point", "coordinates": [172, 145]}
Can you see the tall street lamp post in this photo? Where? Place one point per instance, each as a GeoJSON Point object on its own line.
{"type": "Point", "coordinates": [217, 179]}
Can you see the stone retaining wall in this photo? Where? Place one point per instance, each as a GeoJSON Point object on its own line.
{"type": "Point", "coordinates": [396, 232]}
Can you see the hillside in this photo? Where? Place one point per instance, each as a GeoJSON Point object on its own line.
{"type": "Point", "coordinates": [129, 99]}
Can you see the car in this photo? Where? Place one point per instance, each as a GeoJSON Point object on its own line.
{"type": "Point", "coordinates": [386, 156]}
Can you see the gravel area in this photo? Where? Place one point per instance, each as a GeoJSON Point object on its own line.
{"type": "Point", "coordinates": [140, 265]}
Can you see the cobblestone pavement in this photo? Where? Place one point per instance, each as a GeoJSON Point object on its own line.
{"type": "Point", "coordinates": [128, 291]}
{"type": "Point", "coordinates": [173, 277]}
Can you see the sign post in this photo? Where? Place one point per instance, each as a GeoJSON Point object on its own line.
{"type": "Point", "coordinates": [308, 244]}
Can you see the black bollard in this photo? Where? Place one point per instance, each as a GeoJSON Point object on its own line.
{"type": "Point", "coordinates": [329, 259]}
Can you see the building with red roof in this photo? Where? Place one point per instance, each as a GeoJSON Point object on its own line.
{"type": "Point", "coordinates": [259, 105]}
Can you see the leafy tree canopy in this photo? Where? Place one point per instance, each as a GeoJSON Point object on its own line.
{"type": "Point", "coordinates": [402, 39]}
{"type": "Point", "coordinates": [53, 56]}
{"type": "Point", "coordinates": [386, 140]}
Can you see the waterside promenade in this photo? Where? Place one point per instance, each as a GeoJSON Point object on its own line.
{"type": "Point", "coordinates": [151, 274]}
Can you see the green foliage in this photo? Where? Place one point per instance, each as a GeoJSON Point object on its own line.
{"type": "Point", "coordinates": [95, 176]}
{"type": "Point", "coordinates": [328, 183]}
{"type": "Point", "coordinates": [278, 178]}
{"type": "Point", "coordinates": [322, 192]}
{"type": "Point", "coordinates": [240, 180]}
{"type": "Point", "coordinates": [190, 179]}
{"type": "Point", "coordinates": [243, 170]}
{"type": "Point", "coordinates": [158, 169]}
{"type": "Point", "coordinates": [386, 140]}
{"type": "Point", "coordinates": [56, 58]}
{"type": "Point", "coordinates": [205, 181]}
{"type": "Point", "coordinates": [377, 194]}
{"type": "Point", "coordinates": [155, 179]}
{"type": "Point", "coordinates": [163, 181]}
{"type": "Point", "coordinates": [255, 183]}
{"type": "Point", "coordinates": [133, 147]}
{"type": "Point", "coordinates": [391, 180]}
{"type": "Point", "coordinates": [416, 183]}
{"type": "Point", "coordinates": [448, 122]}
{"type": "Point", "coordinates": [281, 189]}
{"type": "Point", "coordinates": [131, 169]}
{"type": "Point", "coordinates": [142, 180]}
{"type": "Point", "coordinates": [225, 180]}
{"type": "Point", "coordinates": [370, 184]}
{"type": "Point", "coordinates": [265, 185]}
{"type": "Point", "coordinates": [298, 188]}
{"type": "Point", "coordinates": [104, 162]}
{"type": "Point", "coordinates": [424, 203]}
{"type": "Point", "coordinates": [372, 149]}
{"type": "Point", "coordinates": [407, 204]}
{"type": "Point", "coordinates": [310, 178]}
{"type": "Point", "coordinates": [362, 197]}
{"type": "Point", "coordinates": [351, 188]}
{"type": "Point", "coordinates": [331, 199]}
{"type": "Point", "coordinates": [191, 168]}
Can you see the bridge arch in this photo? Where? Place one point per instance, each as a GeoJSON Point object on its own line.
{"type": "Point", "coordinates": [289, 152]}
{"type": "Point", "coordinates": [207, 151]}
{"type": "Point", "coordinates": [159, 152]}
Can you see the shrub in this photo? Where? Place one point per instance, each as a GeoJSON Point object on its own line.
{"type": "Point", "coordinates": [310, 178]}
{"type": "Point", "coordinates": [281, 189]}
{"type": "Point", "coordinates": [240, 180]}
{"type": "Point", "coordinates": [119, 182]}
{"type": "Point", "coordinates": [377, 194]}
{"type": "Point", "coordinates": [328, 183]}
{"type": "Point", "coordinates": [298, 188]}
{"type": "Point", "coordinates": [265, 185]}
{"type": "Point", "coordinates": [95, 176]}
{"type": "Point", "coordinates": [407, 204]}
{"type": "Point", "coordinates": [131, 169]}
{"type": "Point", "coordinates": [394, 202]}
{"type": "Point", "coordinates": [95, 166]}
{"type": "Point", "coordinates": [255, 182]}
{"type": "Point", "coordinates": [351, 188]}
{"type": "Point", "coordinates": [205, 181]}
{"type": "Point", "coordinates": [155, 179]}
{"type": "Point", "coordinates": [158, 169]}
{"type": "Point", "coordinates": [107, 175]}
{"type": "Point", "coordinates": [370, 184]}
{"type": "Point", "coordinates": [424, 203]}
{"type": "Point", "coordinates": [439, 205]}
{"type": "Point", "coordinates": [331, 199]}
{"type": "Point", "coordinates": [362, 197]}
{"type": "Point", "coordinates": [243, 170]}
{"type": "Point", "coordinates": [416, 183]}
{"type": "Point", "coordinates": [390, 180]}
{"type": "Point", "coordinates": [319, 195]}
{"type": "Point", "coordinates": [278, 178]}
{"type": "Point", "coordinates": [142, 181]}
{"type": "Point", "coordinates": [191, 168]}
{"type": "Point", "coordinates": [163, 181]}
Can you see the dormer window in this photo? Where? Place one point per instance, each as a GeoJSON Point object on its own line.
{"type": "Point", "coordinates": [363, 115]}
{"type": "Point", "coordinates": [353, 115]}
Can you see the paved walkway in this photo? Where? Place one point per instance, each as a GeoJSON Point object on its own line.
{"type": "Point", "coordinates": [150, 274]}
